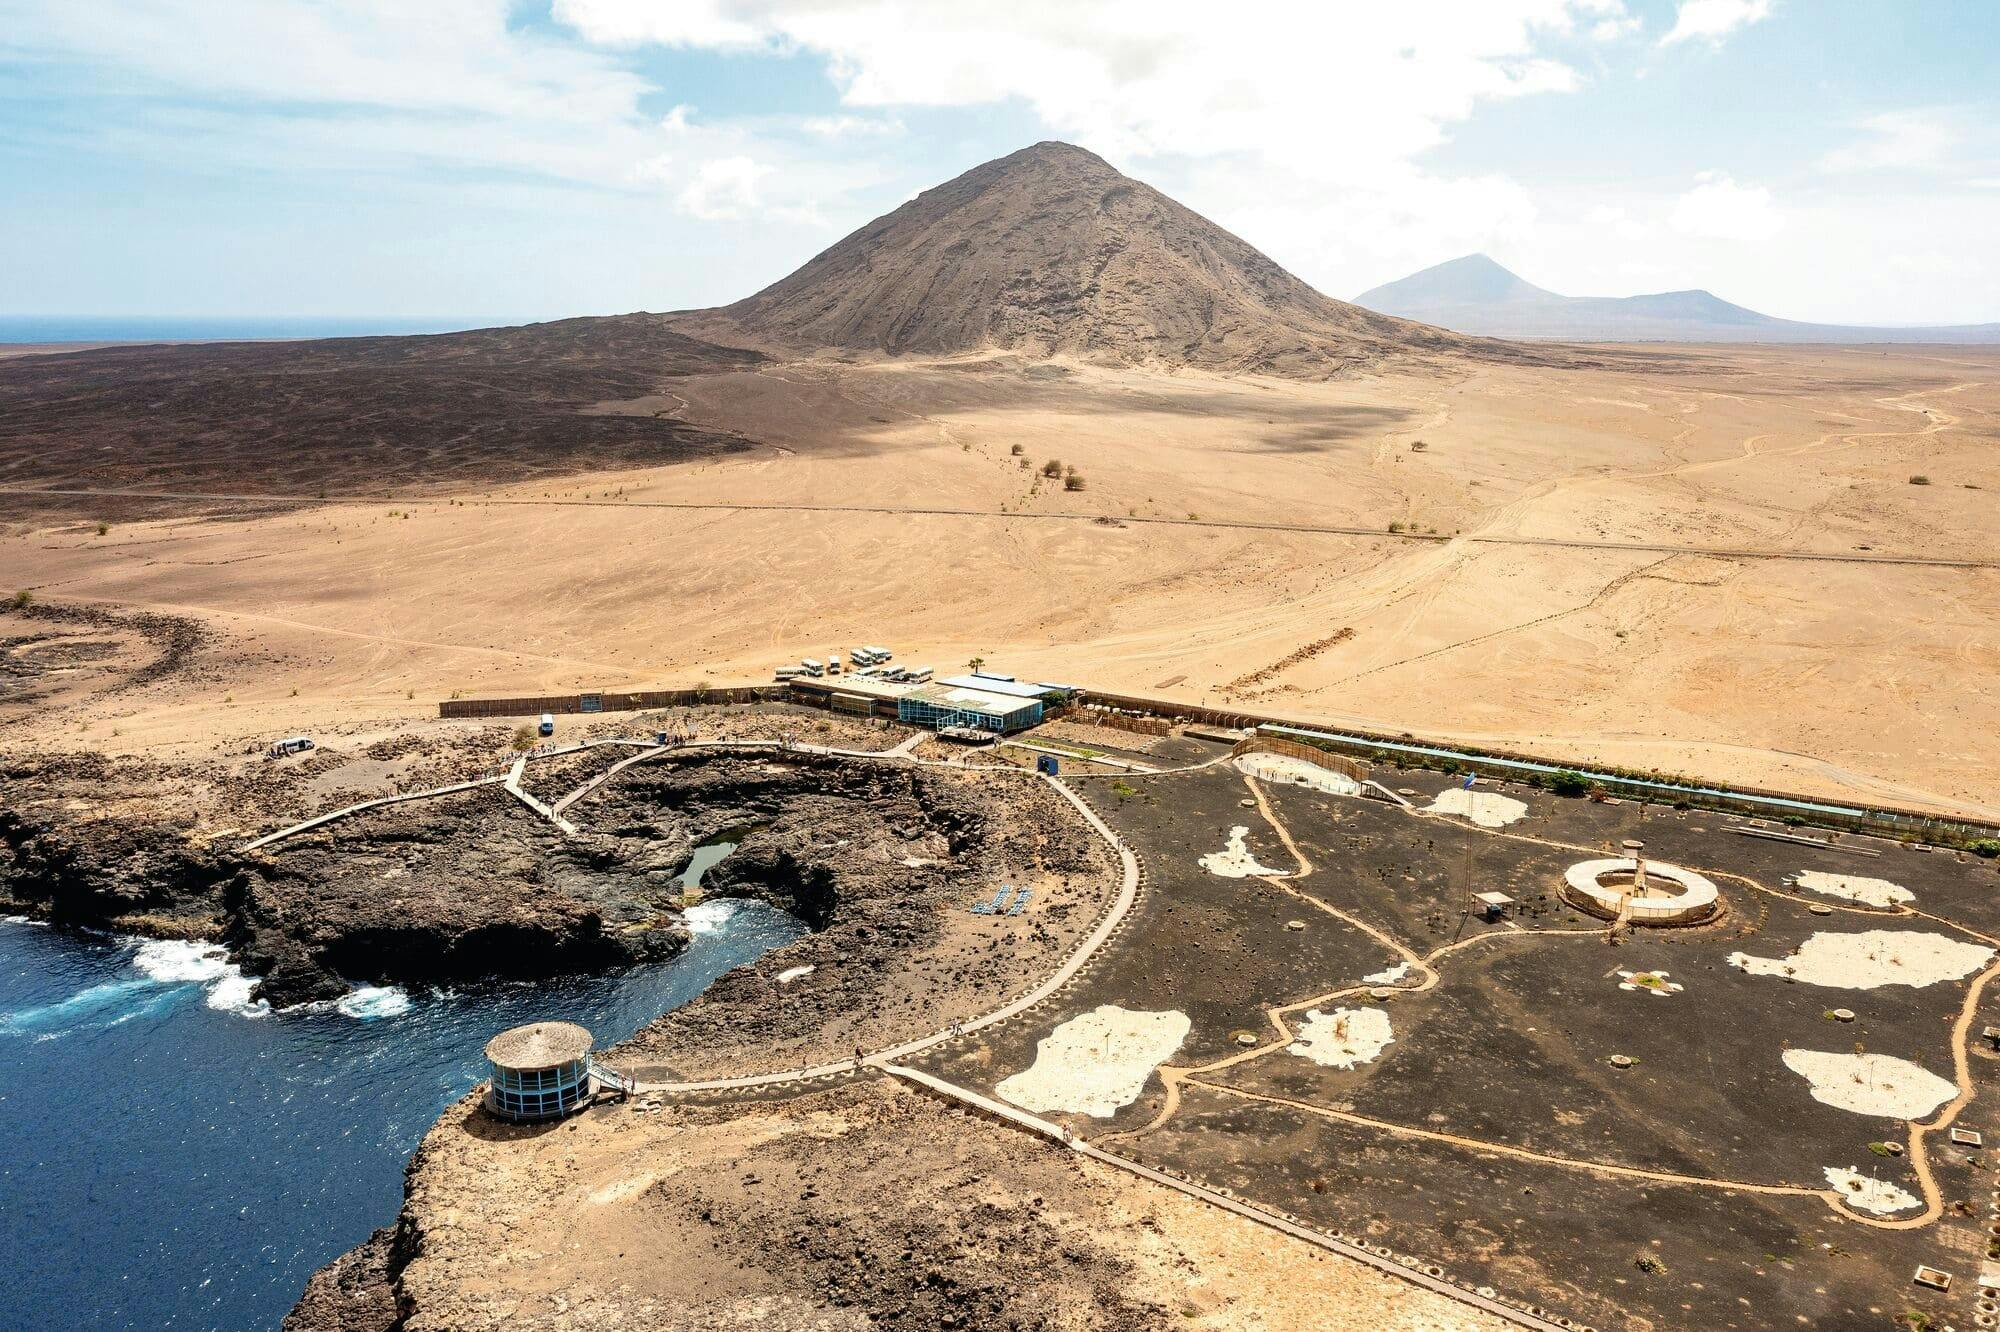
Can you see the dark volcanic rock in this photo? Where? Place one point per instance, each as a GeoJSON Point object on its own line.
{"type": "Point", "coordinates": [356, 1292]}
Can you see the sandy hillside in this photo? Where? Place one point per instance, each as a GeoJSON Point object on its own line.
{"type": "Point", "coordinates": [1051, 250]}
{"type": "Point", "coordinates": [885, 503]}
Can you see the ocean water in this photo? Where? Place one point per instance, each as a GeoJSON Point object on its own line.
{"type": "Point", "coordinates": [144, 328]}
{"type": "Point", "coordinates": [175, 1156]}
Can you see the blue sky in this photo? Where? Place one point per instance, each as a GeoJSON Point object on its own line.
{"type": "Point", "coordinates": [1820, 159]}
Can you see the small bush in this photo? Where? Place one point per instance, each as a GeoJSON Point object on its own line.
{"type": "Point", "coordinates": [524, 737]}
{"type": "Point", "coordinates": [1569, 783]}
{"type": "Point", "coordinates": [22, 600]}
{"type": "Point", "coordinates": [1396, 527]}
{"type": "Point", "coordinates": [1074, 481]}
{"type": "Point", "coordinates": [1018, 450]}
{"type": "Point", "coordinates": [1920, 480]}
{"type": "Point", "coordinates": [103, 528]}
{"type": "Point", "coordinates": [1052, 468]}
{"type": "Point", "coordinates": [1985, 846]}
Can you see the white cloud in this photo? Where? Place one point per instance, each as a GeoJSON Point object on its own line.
{"type": "Point", "coordinates": [1311, 146]}
{"type": "Point", "coordinates": [724, 189]}
{"type": "Point", "coordinates": [1720, 209]}
{"type": "Point", "coordinates": [1914, 139]}
{"type": "Point", "coordinates": [1714, 20]}
{"type": "Point", "coordinates": [1140, 78]}
{"type": "Point", "coordinates": [851, 127]}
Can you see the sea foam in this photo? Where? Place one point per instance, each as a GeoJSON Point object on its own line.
{"type": "Point", "coordinates": [373, 1001]}
{"type": "Point", "coordinates": [182, 962]}
{"type": "Point", "coordinates": [708, 917]}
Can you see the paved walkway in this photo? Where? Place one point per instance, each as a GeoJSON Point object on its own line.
{"type": "Point", "coordinates": [1128, 893]}
{"type": "Point", "coordinates": [1381, 1261]}
{"type": "Point", "coordinates": [379, 802]}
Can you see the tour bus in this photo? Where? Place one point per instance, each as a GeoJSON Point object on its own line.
{"type": "Point", "coordinates": [789, 672]}
{"type": "Point", "coordinates": [833, 663]}
{"type": "Point", "coordinates": [813, 667]}
{"type": "Point", "coordinates": [921, 675]}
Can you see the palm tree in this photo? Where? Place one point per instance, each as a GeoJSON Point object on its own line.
{"type": "Point", "coordinates": [975, 664]}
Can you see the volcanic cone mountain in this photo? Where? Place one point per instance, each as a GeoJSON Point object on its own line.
{"type": "Point", "coordinates": [1051, 251]}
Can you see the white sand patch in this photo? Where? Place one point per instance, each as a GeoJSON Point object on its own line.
{"type": "Point", "coordinates": [621, 1189]}
{"type": "Point", "coordinates": [1096, 1063]}
{"type": "Point", "coordinates": [790, 974]}
{"type": "Point", "coordinates": [1856, 888]}
{"type": "Point", "coordinates": [1235, 861]}
{"type": "Point", "coordinates": [1343, 1038]}
{"type": "Point", "coordinates": [1388, 977]}
{"type": "Point", "coordinates": [1871, 1195]}
{"type": "Point", "coordinates": [1283, 768]}
{"type": "Point", "coordinates": [1872, 958]}
{"type": "Point", "coordinates": [1483, 807]}
{"type": "Point", "coordinates": [1871, 1084]}
{"type": "Point", "coordinates": [1652, 982]}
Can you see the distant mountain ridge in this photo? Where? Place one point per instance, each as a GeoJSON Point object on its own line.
{"type": "Point", "coordinates": [1052, 251]}
{"type": "Point", "coordinates": [1475, 295]}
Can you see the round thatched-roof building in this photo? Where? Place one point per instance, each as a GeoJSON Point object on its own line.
{"type": "Point", "coordinates": [540, 1071]}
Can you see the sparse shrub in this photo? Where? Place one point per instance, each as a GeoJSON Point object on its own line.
{"type": "Point", "coordinates": [524, 737]}
{"type": "Point", "coordinates": [1418, 446]}
{"type": "Point", "coordinates": [22, 600]}
{"type": "Point", "coordinates": [103, 528]}
{"type": "Point", "coordinates": [1123, 790]}
{"type": "Point", "coordinates": [1650, 1265]}
{"type": "Point", "coordinates": [1569, 783]}
{"type": "Point", "coordinates": [1052, 468]}
{"type": "Point", "coordinates": [1984, 846]}
{"type": "Point", "coordinates": [1396, 528]}
{"type": "Point", "coordinates": [1920, 480]}
{"type": "Point", "coordinates": [1074, 481]}
{"type": "Point", "coordinates": [1018, 450]}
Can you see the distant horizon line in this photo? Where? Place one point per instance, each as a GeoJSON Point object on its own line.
{"type": "Point", "coordinates": [17, 329]}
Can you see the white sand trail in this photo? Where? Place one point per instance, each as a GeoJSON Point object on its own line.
{"type": "Point", "coordinates": [1871, 1195]}
{"type": "Point", "coordinates": [1482, 807]}
{"type": "Point", "coordinates": [1871, 1084]}
{"type": "Point", "coordinates": [1857, 888]}
{"type": "Point", "coordinates": [1343, 1038]}
{"type": "Point", "coordinates": [1097, 1063]}
{"type": "Point", "coordinates": [1872, 958]}
{"type": "Point", "coordinates": [1235, 861]}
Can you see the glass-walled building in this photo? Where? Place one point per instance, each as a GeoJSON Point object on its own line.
{"type": "Point", "coordinates": [540, 1071]}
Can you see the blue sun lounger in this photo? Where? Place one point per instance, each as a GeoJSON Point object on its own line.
{"type": "Point", "coordinates": [1019, 903]}
{"type": "Point", "coordinates": [993, 907]}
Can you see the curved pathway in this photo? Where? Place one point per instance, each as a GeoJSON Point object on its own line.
{"type": "Point", "coordinates": [1128, 893]}
{"type": "Point", "coordinates": [1173, 1078]}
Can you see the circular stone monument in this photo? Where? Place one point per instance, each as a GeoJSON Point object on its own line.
{"type": "Point", "coordinates": [1617, 888]}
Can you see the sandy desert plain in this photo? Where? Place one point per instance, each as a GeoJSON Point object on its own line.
{"type": "Point", "coordinates": [1701, 560]}
{"type": "Point", "coordinates": [1251, 1058]}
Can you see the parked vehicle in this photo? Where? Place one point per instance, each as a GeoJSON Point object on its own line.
{"type": "Point", "coordinates": [295, 744]}
{"type": "Point", "coordinates": [548, 726]}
